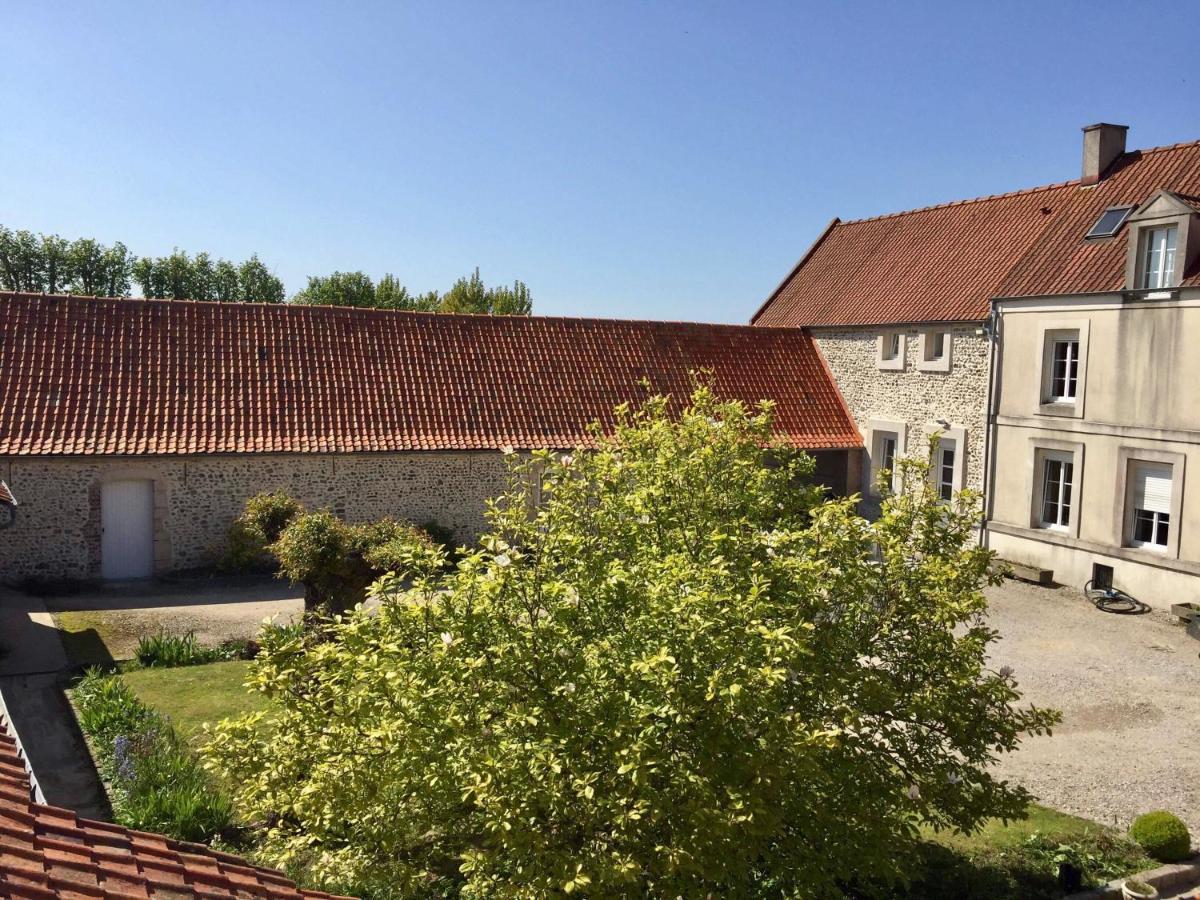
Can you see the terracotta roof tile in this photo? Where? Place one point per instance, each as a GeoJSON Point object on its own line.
{"type": "Point", "coordinates": [48, 853]}
{"type": "Point", "coordinates": [6, 495]}
{"type": "Point", "coordinates": [946, 263]}
{"type": "Point", "coordinates": [88, 376]}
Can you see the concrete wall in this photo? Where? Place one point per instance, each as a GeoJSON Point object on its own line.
{"type": "Point", "coordinates": [57, 532]}
{"type": "Point", "coordinates": [914, 395]}
{"type": "Point", "coordinates": [1137, 400]}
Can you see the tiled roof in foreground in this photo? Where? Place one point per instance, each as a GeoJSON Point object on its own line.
{"type": "Point", "coordinates": [47, 852]}
{"type": "Point", "coordinates": [946, 263]}
{"type": "Point", "coordinates": [91, 376]}
{"type": "Point", "coordinates": [6, 495]}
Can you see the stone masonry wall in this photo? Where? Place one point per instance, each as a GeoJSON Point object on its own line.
{"type": "Point", "coordinates": [917, 398]}
{"type": "Point", "coordinates": [57, 532]}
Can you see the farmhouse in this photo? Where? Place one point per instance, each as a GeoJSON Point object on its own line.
{"type": "Point", "coordinates": [1046, 334]}
{"type": "Point", "coordinates": [133, 431]}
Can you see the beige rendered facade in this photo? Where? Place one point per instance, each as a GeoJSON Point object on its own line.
{"type": "Point", "coordinates": [1096, 437]}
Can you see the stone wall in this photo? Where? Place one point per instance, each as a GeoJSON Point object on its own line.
{"type": "Point", "coordinates": [915, 397]}
{"type": "Point", "coordinates": [57, 532]}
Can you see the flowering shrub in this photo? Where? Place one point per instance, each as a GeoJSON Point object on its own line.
{"type": "Point", "coordinates": [682, 673]}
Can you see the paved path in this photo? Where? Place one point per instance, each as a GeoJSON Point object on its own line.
{"type": "Point", "coordinates": [1129, 690]}
{"type": "Point", "coordinates": [32, 675]}
{"type": "Point", "coordinates": [28, 638]}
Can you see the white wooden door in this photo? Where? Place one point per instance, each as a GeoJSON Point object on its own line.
{"type": "Point", "coordinates": [127, 529]}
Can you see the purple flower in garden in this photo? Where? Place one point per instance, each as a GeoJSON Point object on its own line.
{"type": "Point", "coordinates": [123, 758]}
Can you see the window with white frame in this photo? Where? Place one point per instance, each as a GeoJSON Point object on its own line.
{"type": "Point", "coordinates": [1058, 482]}
{"type": "Point", "coordinates": [1158, 257]}
{"type": "Point", "coordinates": [1150, 490]}
{"type": "Point", "coordinates": [883, 458]}
{"type": "Point", "coordinates": [891, 345]}
{"type": "Point", "coordinates": [1064, 368]}
{"type": "Point", "coordinates": [935, 345]}
{"type": "Point", "coordinates": [943, 470]}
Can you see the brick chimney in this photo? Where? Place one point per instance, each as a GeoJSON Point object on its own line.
{"type": "Point", "coordinates": [1102, 143]}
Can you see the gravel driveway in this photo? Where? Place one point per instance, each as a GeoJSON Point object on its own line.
{"type": "Point", "coordinates": [106, 622]}
{"type": "Point", "coordinates": [1129, 691]}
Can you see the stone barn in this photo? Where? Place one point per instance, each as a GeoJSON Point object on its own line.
{"type": "Point", "coordinates": [133, 431]}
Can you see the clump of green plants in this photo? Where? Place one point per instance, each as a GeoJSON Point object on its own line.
{"type": "Point", "coordinates": [157, 784]}
{"type": "Point", "coordinates": [168, 650]}
{"type": "Point", "coordinates": [1163, 835]}
{"type": "Point", "coordinates": [682, 672]}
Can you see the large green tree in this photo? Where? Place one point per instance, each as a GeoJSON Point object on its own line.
{"type": "Point", "coordinates": [680, 673]}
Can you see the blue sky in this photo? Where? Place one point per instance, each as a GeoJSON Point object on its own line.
{"type": "Point", "coordinates": [648, 160]}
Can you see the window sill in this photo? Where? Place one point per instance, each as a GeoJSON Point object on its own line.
{"type": "Point", "coordinates": [890, 365]}
{"type": "Point", "coordinates": [934, 365]}
{"type": "Point", "coordinates": [1061, 408]}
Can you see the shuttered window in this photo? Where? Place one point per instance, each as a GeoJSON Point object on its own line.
{"type": "Point", "coordinates": [1150, 497]}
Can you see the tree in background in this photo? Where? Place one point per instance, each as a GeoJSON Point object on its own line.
{"type": "Point", "coordinates": [46, 263]}
{"type": "Point", "coordinates": [682, 673]}
{"type": "Point", "coordinates": [99, 271]}
{"type": "Point", "coordinates": [467, 295]}
{"type": "Point", "coordinates": [198, 277]}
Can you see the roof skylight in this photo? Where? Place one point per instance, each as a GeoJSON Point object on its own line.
{"type": "Point", "coordinates": [1110, 221]}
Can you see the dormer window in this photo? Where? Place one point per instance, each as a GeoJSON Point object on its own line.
{"type": "Point", "coordinates": [1110, 222]}
{"type": "Point", "coordinates": [1163, 245]}
{"type": "Point", "coordinates": [1158, 256]}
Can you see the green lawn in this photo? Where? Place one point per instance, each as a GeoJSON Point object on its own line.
{"type": "Point", "coordinates": [995, 835]}
{"type": "Point", "coordinates": [192, 695]}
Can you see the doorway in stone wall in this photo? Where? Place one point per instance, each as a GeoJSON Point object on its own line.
{"type": "Point", "coordinates": [127, 529]}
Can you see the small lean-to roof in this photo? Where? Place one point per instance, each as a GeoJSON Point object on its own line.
{"type": "Point", "coordinates": [47, 852]}
{"type": "Point", "coordinates": [93, 376]}
{"type": "Point", "coordinates": [946, 263]}
{"type": "Point", "coordinates": [6, 496]}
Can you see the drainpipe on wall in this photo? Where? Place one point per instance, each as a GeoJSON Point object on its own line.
{"type": "Point", "coordinates": [992, 329]}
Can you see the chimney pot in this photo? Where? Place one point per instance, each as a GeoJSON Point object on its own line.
{"type": "Point", "coordinates": [1102, 144]}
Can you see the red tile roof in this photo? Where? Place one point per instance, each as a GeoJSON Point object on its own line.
{"type": "Point", "coordinates": [47, 852]}
{"type": "Point", "coordinates": [946, 263]}
{"type": "Point", "coordinates": [6, 495]}
{"type": "Point", "coordinates": [92, 376]}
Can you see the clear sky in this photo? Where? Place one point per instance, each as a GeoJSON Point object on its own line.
{"type": "Point", "coordinates": [648, 160]}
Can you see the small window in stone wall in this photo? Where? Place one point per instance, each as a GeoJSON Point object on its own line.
{"type": "Point", "coordinates": [936, 346]}
{"type": "Point", "coordinates": [889, 350]}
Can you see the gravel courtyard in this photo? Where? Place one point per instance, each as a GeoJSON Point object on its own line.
{"type": "Point", "coordinates": [1129, 691]}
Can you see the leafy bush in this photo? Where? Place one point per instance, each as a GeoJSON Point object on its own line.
{"type": "Point", "coordinates": [336, 561]}
{"type": "Point", "coordinates": [1163, 835]}
{"type": "Point", "coordinates": [681, 674]}
{"type": "Point", "coordinates": [165, 650]}
{"type": "Point", "coordinates": [157, 783]}
{"type": "Point", "coordinates": [261, 523]}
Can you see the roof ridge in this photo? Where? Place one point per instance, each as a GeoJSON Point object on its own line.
{"type": "Point", "coordinates": [1017, 193]}
{"type": "Point", "coordinates": [372, 310]}
{"type": "Point", "coordinates": [1002, 196]}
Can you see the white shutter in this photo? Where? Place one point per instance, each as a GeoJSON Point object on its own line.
{"type": "Point", "coordinates": [1152, 488]}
